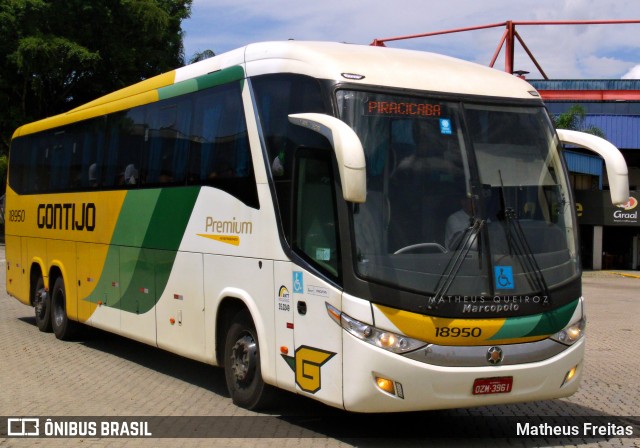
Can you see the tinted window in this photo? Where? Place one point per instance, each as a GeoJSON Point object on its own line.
{"type": "Point", "coordinates": [277, 96]}
{"type": "Point", "coordinates": [316, 227]}
{"type": "Point", "coordinates": [196, 139]}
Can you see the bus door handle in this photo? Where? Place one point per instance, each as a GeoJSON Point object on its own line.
{"type": "Point", "coordinates": [302, 307]}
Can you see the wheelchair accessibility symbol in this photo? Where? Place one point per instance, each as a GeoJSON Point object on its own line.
{"type": "Point", "coordinates": [503, 277]}
{"type": "Point", "coordinates": [298, 285]}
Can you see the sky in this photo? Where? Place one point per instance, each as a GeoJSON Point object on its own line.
{"type": "Point", "coordinates": [564, 52]}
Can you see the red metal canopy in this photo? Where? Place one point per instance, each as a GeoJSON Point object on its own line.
{"type": "Point", "coordinates": [508, 37]}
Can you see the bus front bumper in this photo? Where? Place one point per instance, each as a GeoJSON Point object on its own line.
{"type": "Point", "coordinates": [420, 386]}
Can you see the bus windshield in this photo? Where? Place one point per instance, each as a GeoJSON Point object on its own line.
{"type": "Point", "coordinates": [463, 199]}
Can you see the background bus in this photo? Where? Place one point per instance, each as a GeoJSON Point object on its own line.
{"type": "Point", "coordinates": [282, 210]}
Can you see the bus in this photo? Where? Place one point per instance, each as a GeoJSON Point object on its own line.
{"type": "Point", "coordinates": [378, 229]}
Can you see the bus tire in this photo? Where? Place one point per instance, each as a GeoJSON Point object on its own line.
{"type": "Point", "coordinates": [242, 365]}
{"type": "Point", "coordinates": [63, 328]}
{"type": "Point", "coordinates": [42, 305]}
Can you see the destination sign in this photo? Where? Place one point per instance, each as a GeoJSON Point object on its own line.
{"type": "Point", "coordinates": [404, 108]}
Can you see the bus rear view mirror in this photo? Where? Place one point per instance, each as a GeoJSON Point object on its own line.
{"type": "Point", "coordinates": [347, 148]}
{"type": "Point", "coordinates": [617, 172]}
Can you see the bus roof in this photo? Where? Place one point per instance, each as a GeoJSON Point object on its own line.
{"type": "Point", "coordinates": [379, 66]}
{"type": "Point", "coordinates": [383, 66]}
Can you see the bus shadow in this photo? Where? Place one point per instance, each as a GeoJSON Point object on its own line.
{"type": "Point", "coordinates": [161, 361]}
{"type": "Point", "coordinates": [304, 418]}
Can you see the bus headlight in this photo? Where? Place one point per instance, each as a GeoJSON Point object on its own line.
{"type": "Point", "coordinates": [571, 333]}
{"type": "Point", "coordinates": [387, 340]}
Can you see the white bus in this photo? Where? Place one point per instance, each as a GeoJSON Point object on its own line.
{"type": "Point", "coordinates": [378, 229]}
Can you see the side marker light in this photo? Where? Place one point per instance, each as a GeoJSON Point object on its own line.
{"type": "Point", "coordinates": [386, 385]}
{"type": "Point", "coordinates": [570, 375]}
{"type": "Point", "coordinates": [389, 386]}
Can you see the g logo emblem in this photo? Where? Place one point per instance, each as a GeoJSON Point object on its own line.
{"type": "Point", "coordinates": [306, 364]}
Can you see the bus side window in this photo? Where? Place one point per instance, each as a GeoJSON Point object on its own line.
{"type": "Point", "coordinates": [75, 163]}
{"type": "Point", "coordinates": [93, 154]}
{"type": "Point", "coordinates": [168, 134]}
{"type": "Point", "coordinates": [126, 131]}
{"type": "Point", "coordinates": [277, 96]}
{"type": "Point", "coordinates": [41, 155]}
{"type": "Point", "coordinates": [315, 226]}
{"type": "Point", "coordinates": [207, 112]}
{"type": "Point", "coordinates": [60, 161]}
{"type": "Point", "coordinates": [110, 170]}
{"type": "Point", "coordinates": [220, 155]}
{"type": "Point", "coordinates": [18, 155]}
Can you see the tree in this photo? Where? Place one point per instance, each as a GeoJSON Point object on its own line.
{"type": "Point", "coordinates": [201, 56]}
{"type": "Point", "coordinates": [573, 119]}
{"type": "Point", "coordinates": [58, 54]}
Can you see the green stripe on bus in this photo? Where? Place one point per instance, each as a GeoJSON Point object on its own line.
{"type": "Point", "coordinates": [517, 327]}
{"type": "Point", "coordinates": [141, 255]}
{"type": "Point", "coordinates": [181, 88]}
{"type": "Point", "coordinates": [135, 215]}
{"type": "Point", "coordinates": [555, 320]}
{"type": "Point", "coordinates": [542, 324]}
{"type": "Point", "coordinates": [171, 215]}
{"type": "Point", "coordinates": [202, 82]}
{"type": "Point", "coordinates": [225, 76]}
{"type": "Point", "coordinates": [152, 265]}
{"type": "Point", "coordinates": [148, 278]}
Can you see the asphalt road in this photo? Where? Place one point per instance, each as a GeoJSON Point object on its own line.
{"type": "Point", "coordinates": [101, 377]}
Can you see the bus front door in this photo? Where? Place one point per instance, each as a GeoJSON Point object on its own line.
{"type": "Point", "coordinates": [317, 361]}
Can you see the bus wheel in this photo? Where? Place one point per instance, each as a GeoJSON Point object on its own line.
{"type": "Point", "coordinates": [42, 306]}
{"type": "Point", "coordinates": [242, 365]}
{"type": "Point", "coordinates": [63, 328]}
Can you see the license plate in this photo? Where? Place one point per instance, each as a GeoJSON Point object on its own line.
{"type": "Point", "coordinates": [498, 385]}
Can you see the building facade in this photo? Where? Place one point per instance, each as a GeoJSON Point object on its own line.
{"type": "Point", "coordinates": [609, 235]}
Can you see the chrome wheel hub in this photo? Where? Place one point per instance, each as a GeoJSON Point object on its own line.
{"type": "Point", "coordinates": [243, 359]}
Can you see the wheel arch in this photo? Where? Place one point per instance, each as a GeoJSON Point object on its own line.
{"type": "Point", "coordinates": [231, 302]}
{"type": "Point", "coordinates": [55, 271]}
{"type": "Point", "coordinates": [63, 324]}
{"type": "Point", "coordinates": [228, 307]}
{"type": "Point", "coordinates": [36, 270]}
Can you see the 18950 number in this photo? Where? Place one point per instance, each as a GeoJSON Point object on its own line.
{"type": "Point", "coordinates": [458, 332]}
{"type": "Point", "coordinates": [16, 215]}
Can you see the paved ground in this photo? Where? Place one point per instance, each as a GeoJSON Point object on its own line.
{"type": "Point", "coordinates": [104, 375]}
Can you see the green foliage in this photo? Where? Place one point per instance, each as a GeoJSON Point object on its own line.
{"type": "Point", "coordinates": [58, 54]}
{"type": "Point", "coordinates": [201, 56]}
{"type": "Point", "coordinates": [573, 119]}
{"type": "Point", "coordinates": [4, 163]}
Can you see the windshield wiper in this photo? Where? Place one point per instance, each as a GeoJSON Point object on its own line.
{"type": "Point", "coordinates": [518, 244]}
{"type": "Point", "coordinates": [466, 242]}
{"type": "Point", "coordinates": [518, 241]}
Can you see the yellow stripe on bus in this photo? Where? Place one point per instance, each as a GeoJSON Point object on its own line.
{"type": "Point", "coordinates": [447, 331]}
{"type": "Point", "coordinates": [144, 92]}
{"type": "Point", "coordinates": [52, 222]}
{"type": "Point", "coordinates": [85, 114]}
{"type": "Point", "coordinates": [147, 85]}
